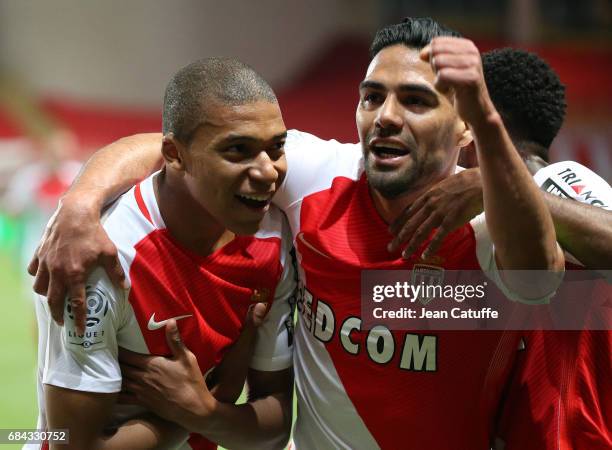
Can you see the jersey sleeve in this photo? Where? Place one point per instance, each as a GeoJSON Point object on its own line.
{"type": "Point", "coordinates": [84, 362]}
{"type": "Point", "coordinates": [274, 343]}
{"type": "Point", "coordinates": [311, 164]}
{"type": "Point", "coordinates": [485, 251]}
{"type": "Point", "coordinates": [568, 179]}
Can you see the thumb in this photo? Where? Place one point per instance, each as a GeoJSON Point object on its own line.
{"type": "Point", "coordinates": [173, 338]}
{"type": "Point", "coordinates": [256, 315]}
{"type": "Point", "coordinates": [425, 53]}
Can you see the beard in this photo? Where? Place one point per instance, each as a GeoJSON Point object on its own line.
{"type": "Point", "coordinates": [394, 183]}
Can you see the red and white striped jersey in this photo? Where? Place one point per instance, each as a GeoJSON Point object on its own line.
{"type": "Point", "coordinates": [360, 389]}
{"type": "Point", "coordinates": [208, 296]}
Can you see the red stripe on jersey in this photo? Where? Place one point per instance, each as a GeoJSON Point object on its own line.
{"type": "Point", "coordinates": [141, 203]}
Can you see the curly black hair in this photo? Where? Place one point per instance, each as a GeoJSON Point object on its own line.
{"type": "Point", "coordinates": [527, 93]}
{"type": "Point", "coordinates": [413, 32]}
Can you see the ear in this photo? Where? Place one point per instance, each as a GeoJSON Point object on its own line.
{"type": "Point", "coordinates": [173, 152]}
{"type": "Point", "coordinates": [468, 157]}
{"type": "Point", "coordinates": [465, 136]}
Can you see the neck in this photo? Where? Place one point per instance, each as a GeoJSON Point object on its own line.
{"type": "Point", "coordinates": [186, 220]}
{"type": "Point", "coordinates": [390, 208]}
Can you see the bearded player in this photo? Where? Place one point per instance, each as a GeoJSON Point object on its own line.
{"type": "Point", "coordinates": [423, 98]}
{"type": "Point", "coordinates": [200, 246]}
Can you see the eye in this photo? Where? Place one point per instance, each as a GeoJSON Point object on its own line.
{"type": "Point", "coordinates": [372, 98]}
{"type": "Point", "coordinates": [237, 149]}
{"type": "Point", "coordinates": [277, 150]}
{"type": "Point", "coordinates": [236, 152]}
{"type": "Point", "coordinates": [414, 100]}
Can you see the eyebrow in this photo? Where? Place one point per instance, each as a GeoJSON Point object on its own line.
{"type": "Point", "coordinates": [232, 137]}
{"type": "Point", "coordinates": [407, 87]}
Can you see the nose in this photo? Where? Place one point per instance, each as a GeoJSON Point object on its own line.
{"type": "Point", "coordinates": [389, 116]}
{"type": "Point", "coordinates": [263, 170]}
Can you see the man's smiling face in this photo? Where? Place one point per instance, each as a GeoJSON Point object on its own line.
{"type": "Point", "coordinates": [236, 162]}
{"type": "Point", "coordinates": [409, 131]}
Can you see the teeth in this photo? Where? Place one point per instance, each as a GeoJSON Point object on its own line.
{"type": "Point", "coordinates": [259, 198]}
{"type": "Point", "coordinates": [390, 145]}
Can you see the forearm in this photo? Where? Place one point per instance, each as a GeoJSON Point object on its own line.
{"type": "Point", "coordinates": [583, 230]}
{"type": "Point", "coordinates": [517, 218]}
{"type": "Point", "coordinates": [144, 433]}
{"type": "Point", "coordinates": [263, 423]}
{"type": "Point", "coordinates": [114, 169]}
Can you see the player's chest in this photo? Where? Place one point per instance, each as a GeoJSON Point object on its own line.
{"type": "Point", "coordinates": [209, 297]}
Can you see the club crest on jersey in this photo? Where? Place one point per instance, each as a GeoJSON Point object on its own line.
{"type": "Point", "coordinates": [426, 275]}
{"type": "Point", "coordinates": [96, 304]}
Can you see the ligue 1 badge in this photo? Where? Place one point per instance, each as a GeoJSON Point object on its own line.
{"type": "Point", "coordinates": [426, 275]}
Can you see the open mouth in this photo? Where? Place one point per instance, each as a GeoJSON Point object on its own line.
{"type": "Point", "coordinates": [254, 201]}
{"type": "Point", "coordinates": [388, 150]}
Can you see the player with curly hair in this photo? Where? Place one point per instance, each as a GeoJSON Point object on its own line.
{"type": "Point", "coordinates": [560, 390]}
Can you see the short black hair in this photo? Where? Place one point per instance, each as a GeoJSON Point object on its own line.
{"type": "Point", "coordinates": [413, 32]}
{"type": "Point", "coordinates": [527, 93]}
{"type": "Point", "coordinates": [224, 80]}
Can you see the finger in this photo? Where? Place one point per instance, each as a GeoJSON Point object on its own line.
{"type": "Point", "coordinates": [425, 53]}
{"type": "Point", "coordinates": [447, 44]}
{"type": "Point", "coordinates": [133, 359]}
{"type": "Point", "coordinates": [56, 298]}
{"type": "Point", "coordinates": [449, 77]}
{"type": "Point", "coordinates": [41, 282]}
{"type": "Point", "coordinates": [115, 272]}
{"type": "Point", "coordinates": [420, 235]}
{"type": "Point", "coordinates": [437, 239]}
{"type": "Point", "coordinates": [76, 295]}
{"type": "Point", "coordinates": [410, 228]}
{"type": "Point", "coordinates": [407, 213]}
{"type": "Point", "coordinates": [173, 338]}
{"type": "Point", "coordinates": [33, 265]}
{"type": "Point", "coordinates": [447, 60]}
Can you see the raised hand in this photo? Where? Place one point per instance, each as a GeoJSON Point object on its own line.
{"type": "Point", "coordinates": [458, 67]}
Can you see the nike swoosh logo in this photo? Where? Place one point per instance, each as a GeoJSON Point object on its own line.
{"type": "Point", "coordinates": [300, 237]}
{"type": "Point", "coordinates": [153, 325]}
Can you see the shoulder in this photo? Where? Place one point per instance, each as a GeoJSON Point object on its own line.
{"type": "Point", "coordinates": [570, 179]}
{"type": "Point", "coordinates": [313, 163]}
{"type": "Point", "coordinates": [130, 220]}
{"type": "Point", "coordinates": [311, 146]}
